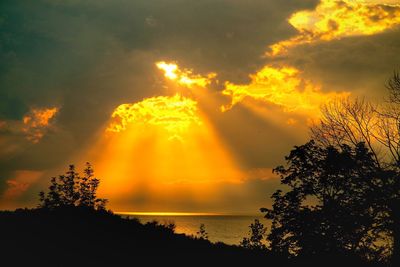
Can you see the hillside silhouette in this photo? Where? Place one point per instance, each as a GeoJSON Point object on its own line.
{"type": "Point", "coordinates": [78, 236]}
{"type": "Point", "coordinates": [72, 227]}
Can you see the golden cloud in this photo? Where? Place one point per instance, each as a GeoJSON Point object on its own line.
{"type": "Point", "coordinates": [36, 122]}
{"type": "Point", "coordinates": [184, 77]}
{"type": "Point", "coordinates": [282, 86]}
{"type": "Point", "coordinates": [333, 19]}
{"type": "Point", "coordinates": [172, 113]}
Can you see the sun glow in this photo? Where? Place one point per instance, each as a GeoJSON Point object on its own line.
{"type": "Point", "coordinates": [161, 148]}
{"type": "Point", "coordinates": [185, 77]}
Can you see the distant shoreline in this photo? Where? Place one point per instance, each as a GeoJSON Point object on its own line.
{"type": "Point", "coordinates": [140, 213]}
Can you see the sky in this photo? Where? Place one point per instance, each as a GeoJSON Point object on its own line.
{"type": "Point", "coordinates": [180, 105]}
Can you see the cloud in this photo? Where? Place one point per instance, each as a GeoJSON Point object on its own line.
{"type": "Point", "coordinates": [281, 83]}
{"type": "Point", "coordinates": [282, 86]}
{"type": "Point", "coordinates": [175, 114]}
{"type": "Point", "coordinates": [336, 19]}
{"type": "Point", "coordinates": [16, 186]}
{"type": "Point", "coordinates": [37, 121]}
{"type": "Point", "coordinates": [91, 56]}
{"type": "Point", "coordinates": [34, 125]}
{"type": "Point", "coordinates": [361, 65]}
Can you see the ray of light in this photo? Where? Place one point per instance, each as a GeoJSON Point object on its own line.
{"type": "Point", "coordinates": [163, 147]}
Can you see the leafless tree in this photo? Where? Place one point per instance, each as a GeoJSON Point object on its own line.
{"type": "Point", "coordinates": [351, 121]}
{"type": "Point", "coordinates": [347, 121]}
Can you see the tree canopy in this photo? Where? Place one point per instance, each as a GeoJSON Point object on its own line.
{"type": "Point", "coordinates": [328, 208]}
{"type": "Point", "coordinates": [72, 190]}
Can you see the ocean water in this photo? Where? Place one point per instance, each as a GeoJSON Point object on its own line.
{"type": "Point", "coordinates": [229, 229]}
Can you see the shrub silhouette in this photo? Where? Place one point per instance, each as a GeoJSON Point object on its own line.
{"type": "Point", "coordinates": [73, 190]}
{"type": "Point", "coordinates": [202, 233]}
{"type": "Point", "coordinates": [256, 239]}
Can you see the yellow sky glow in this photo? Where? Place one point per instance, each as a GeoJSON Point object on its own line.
{"type": "Point", "coordinates": [159, 147]}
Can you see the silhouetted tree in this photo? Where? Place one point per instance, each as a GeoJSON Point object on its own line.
{"type": "Point", "coordinates": [327, 208]}
{"type": "Point", "coordinates": [202, 233]}
{"type": "Point", "coordinates": [353, 121]}
{"type": "Point", "coordinates": [72, 189]}
{"type": "Point", "coordinates": [256, 239]}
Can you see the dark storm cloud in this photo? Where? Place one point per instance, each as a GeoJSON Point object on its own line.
{"type": "Point", "coordinates": [89, 56]}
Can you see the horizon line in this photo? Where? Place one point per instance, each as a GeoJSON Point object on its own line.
{"type": "Point", "coordinates": [173, 213]}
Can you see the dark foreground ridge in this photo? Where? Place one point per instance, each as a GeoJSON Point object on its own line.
{"type": "Point", "coordinates": [78, 236]}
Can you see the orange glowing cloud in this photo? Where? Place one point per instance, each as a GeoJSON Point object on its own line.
{"type": "Point", "coordinates": [15, 188]}
{"type": "Point", "coordinates": [185, 77]}
{"type": "Point", "coordinates": [17, 185]}
{"type": "Point", "coordinates": [36, 122]}
{"type": "Point", "coordinates": [3, 124]}
{"type": "Point", "coordinates": [282, 86]}
{"type": "Point", "coordinates": [334, 19]}
{"type": "Point", "coordinates": [175, 114]}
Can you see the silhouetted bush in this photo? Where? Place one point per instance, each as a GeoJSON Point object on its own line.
{"type": "Point", "coordinates": [202, 233]}
{"type": "Point", "coordinates": [256, 239]}
{"type": "Point", "coordinates": [72, 189]}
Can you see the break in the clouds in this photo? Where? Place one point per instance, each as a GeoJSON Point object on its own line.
{"type": "Point", "coordinates": [89, 66]}
{"type": "Point", "coordinates": [185, 77]}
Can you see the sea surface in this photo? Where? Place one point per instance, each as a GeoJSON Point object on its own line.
{"type": "Point", "coordinates": [229, 229]}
